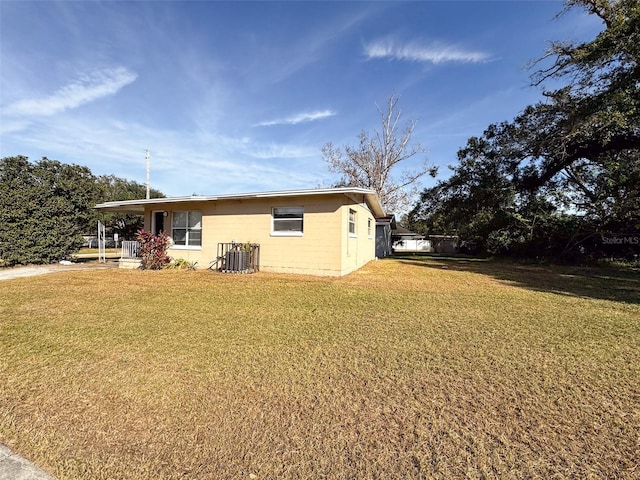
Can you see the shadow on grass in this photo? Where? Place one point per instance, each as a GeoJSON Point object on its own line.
{"type": "Point", "coordinates": [605, 283]}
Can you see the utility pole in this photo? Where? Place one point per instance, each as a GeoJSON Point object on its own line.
{"type": "Point", "coordinates": [148, 168]}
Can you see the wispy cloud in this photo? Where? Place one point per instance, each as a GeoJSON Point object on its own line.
{"type": "Point", "coordinates": [311, 47]}
{"type": "Point", "coordinates": [416, 52]}
{"type": "Point", "coordinates": [280, 151]}
{"type": "Point", "coordinates": [298, 118]}
{"type": "Point", "coordinates": [182, 162]}
{"type": "Point", "coordinates": [87, 88]}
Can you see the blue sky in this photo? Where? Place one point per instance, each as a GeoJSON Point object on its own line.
{"type": "Point", "coordinates": [233, 97]}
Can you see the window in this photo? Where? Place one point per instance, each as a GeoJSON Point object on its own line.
{"type": "Point", "coordinates": [186, 229]}
{"type": "Point", "coordinates": [352, 223]}
{"type": "Point", "coordinates": [370, 228]}
{"type": "Point", "coordinates": [287, 221]}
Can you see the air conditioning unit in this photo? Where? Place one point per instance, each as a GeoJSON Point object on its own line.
{"type": "Point", "coordinates": [237, 261]}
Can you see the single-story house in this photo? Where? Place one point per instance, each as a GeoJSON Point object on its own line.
{"type": "Point", "coordinates": [327, 231]}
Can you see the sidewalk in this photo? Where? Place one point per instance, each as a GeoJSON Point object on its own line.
{"type": "Point", "coordinates": [14, 467]}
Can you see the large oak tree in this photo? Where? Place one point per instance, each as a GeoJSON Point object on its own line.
{"type": "Point", "coordinates": [564, 170]}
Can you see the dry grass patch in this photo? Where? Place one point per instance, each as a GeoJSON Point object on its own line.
{"type": "Point", "coordinates": [414, 368]}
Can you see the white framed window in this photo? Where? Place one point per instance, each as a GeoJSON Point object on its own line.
{"type": "Point", "coordinates": [352, 223]}
{"type": "Point", "coordinates": [370, 227]}
{"type": "Point", "coordinates": [287, 221]}
{"type": "Point", "coordinates": [186, 229]}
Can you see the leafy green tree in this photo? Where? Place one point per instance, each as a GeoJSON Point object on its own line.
{"type": "Point", "coordinates": [600, 105]}
{"type": "Point", "coordinates": [493, 201]}
{"type": "Point", "coordinates": [563, 170]}
{"type": "Point", "coordinates": [45, 208]}
{"type": "Point", "coordinates": [481, 201]}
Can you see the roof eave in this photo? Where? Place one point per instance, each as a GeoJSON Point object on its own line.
{"type": "Point", "coordinates": [138, 206]}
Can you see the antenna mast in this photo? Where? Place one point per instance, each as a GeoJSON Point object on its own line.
{"type": "Point", "coordinates": [148, 168]}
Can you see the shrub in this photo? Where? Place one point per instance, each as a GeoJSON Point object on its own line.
{"type": "Point", "coordinates": [45, 208]}
{"type": "Point", "coordinates": [153, 250]}
{"type": "Point", "coordinates": [181, 264]}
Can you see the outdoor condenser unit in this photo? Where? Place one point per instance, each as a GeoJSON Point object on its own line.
{"type": "Point", "coordinates": [237, 260]}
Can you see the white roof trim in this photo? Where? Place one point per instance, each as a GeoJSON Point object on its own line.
{"type": "Point", "coordinates": [139, 205]}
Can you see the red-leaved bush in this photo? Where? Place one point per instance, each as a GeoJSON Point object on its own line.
{"type": "Point", "coordinates": [153, 250]}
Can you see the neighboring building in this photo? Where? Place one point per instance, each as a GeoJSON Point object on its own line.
{"type": "Point", "coordinates": [400, 233]}
{"type": "Point", "coordinates": [320, 232]}
{"type": "Point", "coordinates": [405, 241]}
{"type": "Point", "coordinates": [444, 243]}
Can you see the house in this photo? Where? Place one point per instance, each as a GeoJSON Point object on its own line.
{"type": "Point", "coordinates": [328, 231]}
{"type": "Point", "coordinates": [445, 243]}
{"type": "Point", "coordinates": [400, 233]}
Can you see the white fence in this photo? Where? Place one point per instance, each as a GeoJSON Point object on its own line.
{"type": "Point", "coordinates": [413, 246]}
{"type": "Point", "coordinates": [111, 241]}
{"type": "Point", "coordinates": [130, 249]}
{"type": "Point", "coordinates": [434, 244]}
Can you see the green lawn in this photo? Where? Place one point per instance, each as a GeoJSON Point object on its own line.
{"type": "Point", "coordinates": [408, 368]}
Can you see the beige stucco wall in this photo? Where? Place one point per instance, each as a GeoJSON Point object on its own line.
{"type": "Point", "coordinates": [358, 249]}
{"type": "Point", "coordinates": [325, 248]}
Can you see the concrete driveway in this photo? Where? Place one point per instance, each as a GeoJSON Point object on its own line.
{"type": "Point", "coordinates": [14, 467]}
{"type": "Point", "coordinates": [31, 270]}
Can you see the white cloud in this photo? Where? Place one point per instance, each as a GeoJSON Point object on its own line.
{"type": "Point", "coordinates": [182, 162]}
{"type": "Point", "coordinates": [298, 118]}
{"type": "Point", "coordinates": [415, 52]}
{"type": "Point", "coordinates": [12, 125]}
{"type": "Point", "coordinates": [275, 151]}
{"type": "Point", "coordinates": [97, 84]}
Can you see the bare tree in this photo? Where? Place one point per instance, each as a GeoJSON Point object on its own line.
{"type": "Point", "coordinates": [369, 165]}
